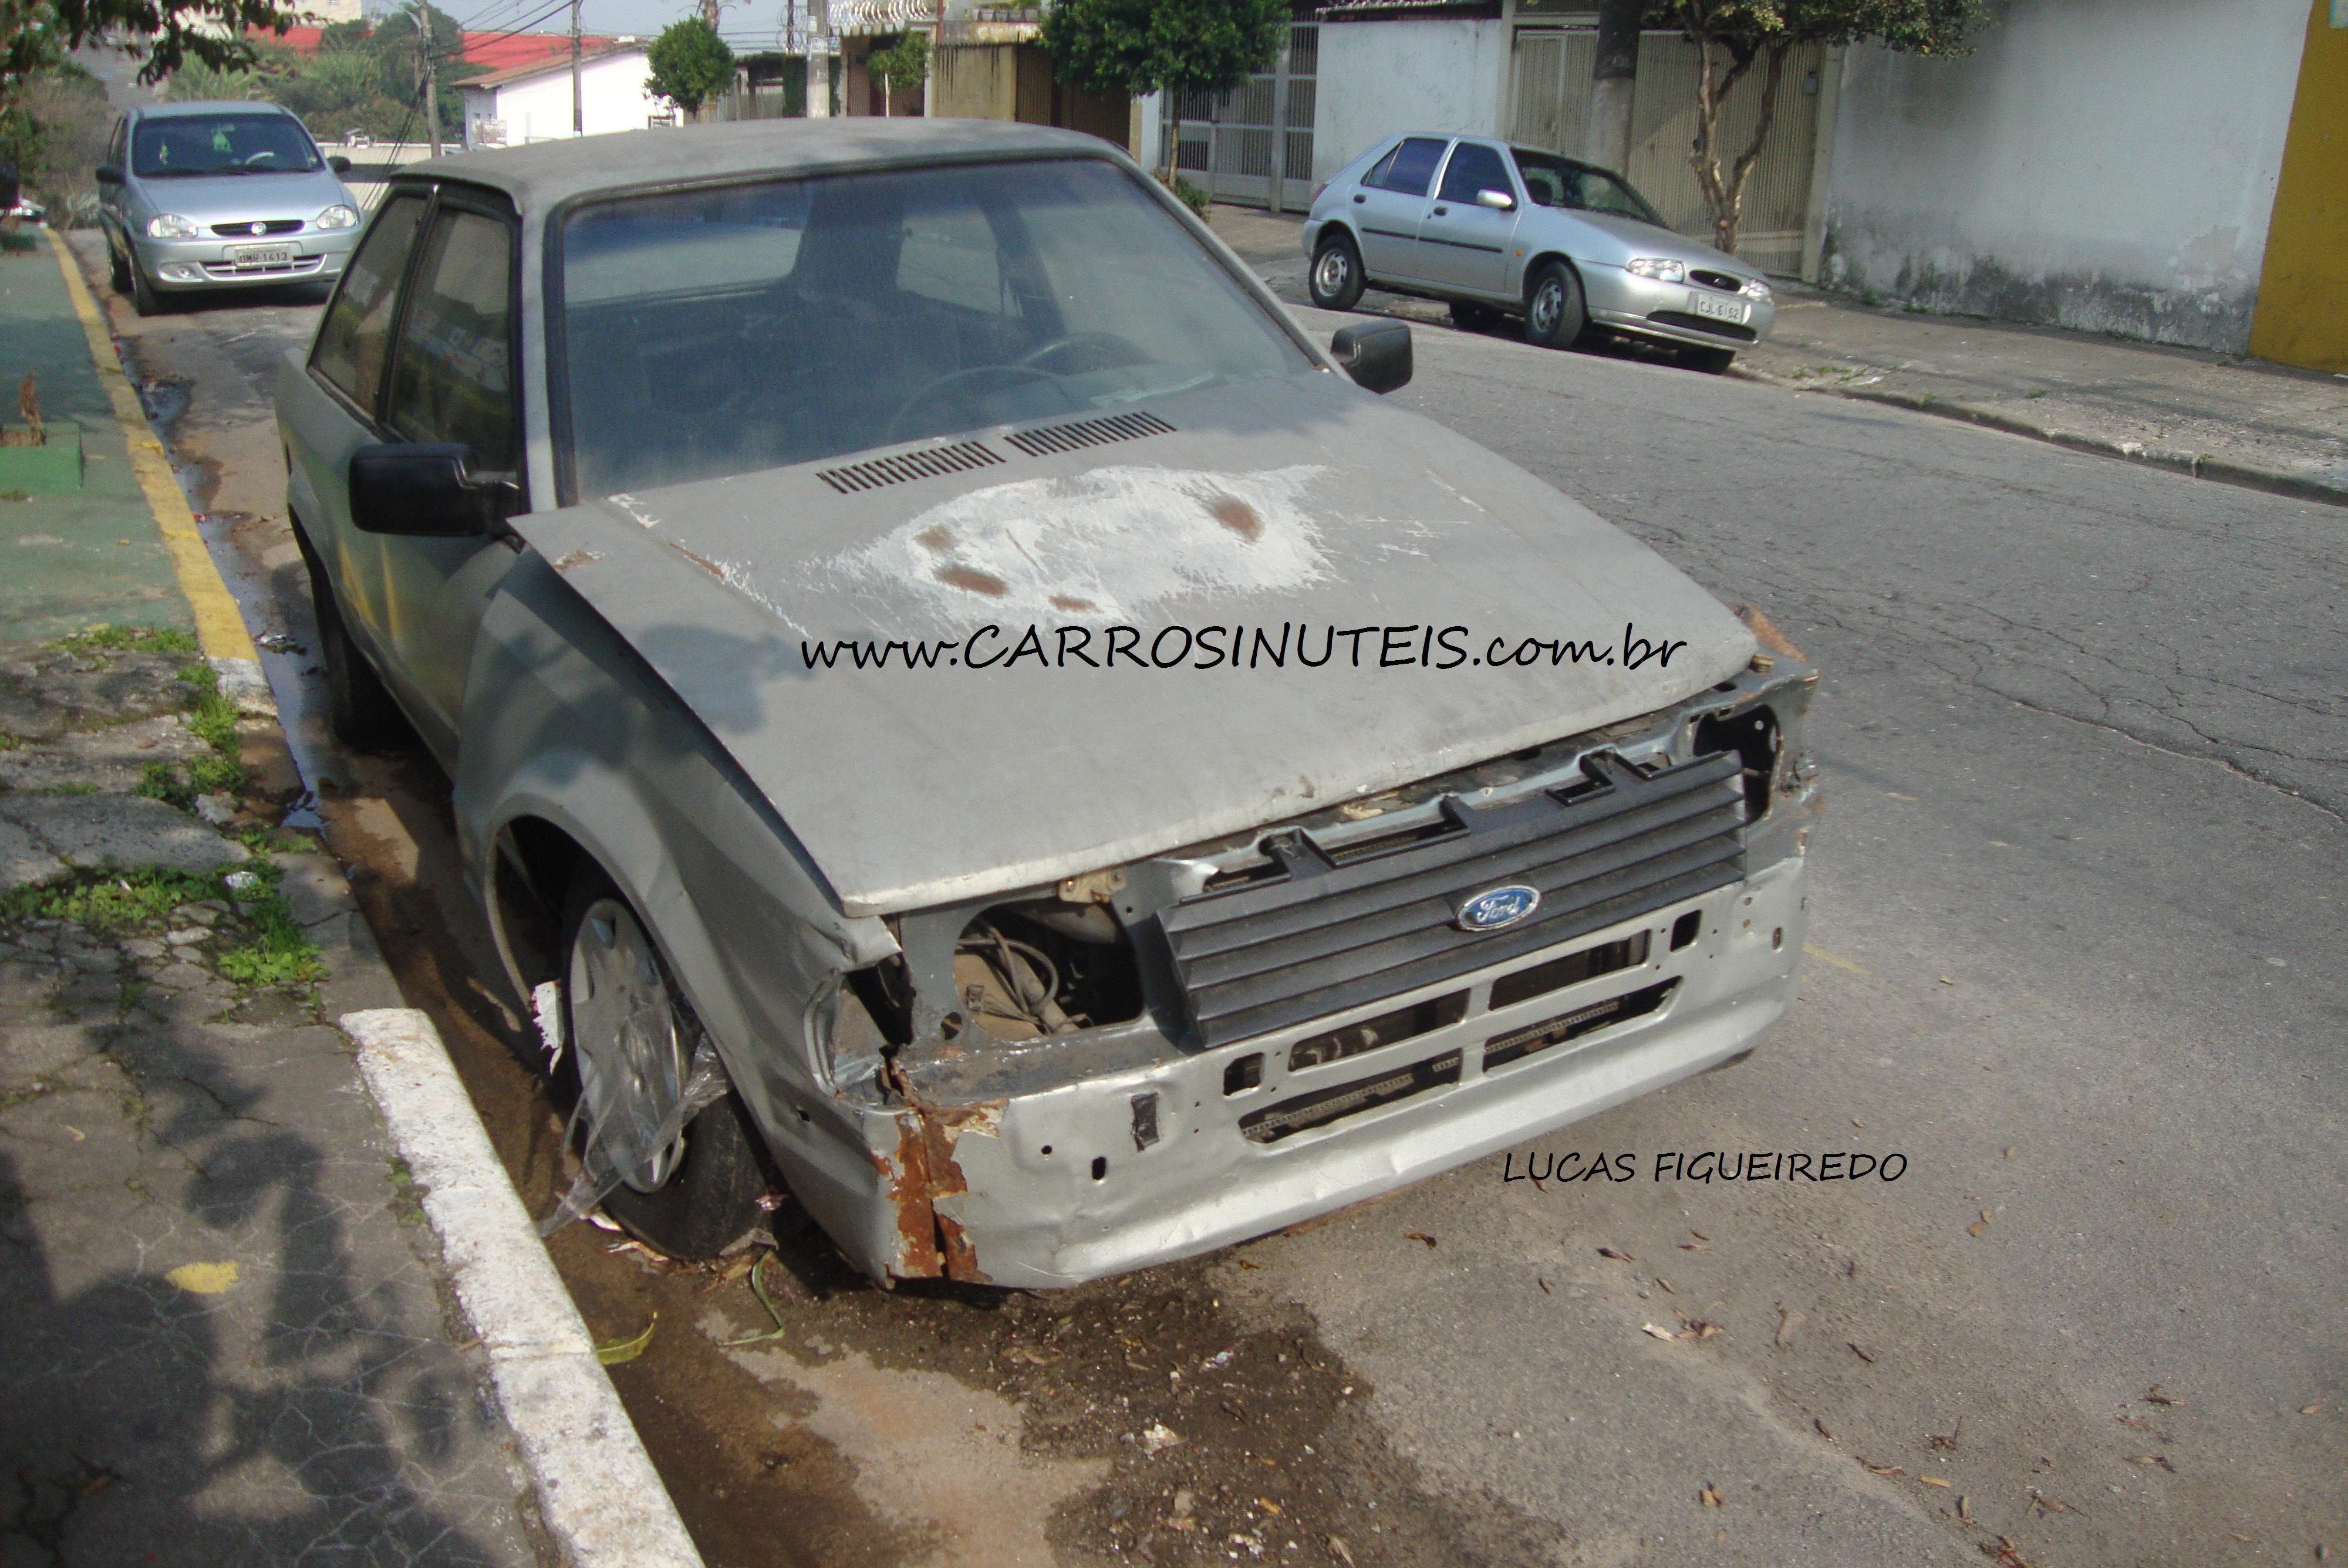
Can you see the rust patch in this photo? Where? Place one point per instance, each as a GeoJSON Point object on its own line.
{"type": "Point", "coordinates": [703, 561]}
{"type": "Point", "coordinates": [932, 1242]}
{"type": "Point", "coordinates": [1765, 631]}
{"type": "Point", "coordinates": [1236, 516]}
{"type": "Point", "coordinates": [909, 1194]}
{"type": "Point", "coordinates": [577, 559]}
{"type": "Point", "coordinates": [936, 537]}
{"type": "Point", "coordinates": [1071, 603]}
{"type": "Point", "coordinates": [972, 580]}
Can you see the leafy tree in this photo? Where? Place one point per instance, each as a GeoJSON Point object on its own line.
{"type": "Point", "coordinates": [691, 65]}
{"type": "Point", "coordinates": [365, 75]}
{"type": "Point", "coordinates": [903, 62]}
{"type": "Point", "coordinates": [1732, 37]}
{"type": "Point", "coordinates": [1138, 46]}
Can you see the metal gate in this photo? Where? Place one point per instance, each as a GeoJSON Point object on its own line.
{"type": "Point", "coordinates": [1549, 105]}
{"type": "Point", "coordinates": [1253, 145]}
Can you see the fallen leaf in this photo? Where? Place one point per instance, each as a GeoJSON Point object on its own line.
{"type": "Point", "coordinates": [1946, 1440]}
{"type": "Point", "coordinates": [2157, 1395]}
{"type": "Point", "coordinates": [1665, 1286]}
{"type": "Point", "coordinates": [2045, 1505]}
{"type": "Point", "coordinates": [2309, 1410]}
{"type": "Point", "coordinates": [2245, 1540]}
{"type": "Point", "coordinates": [1883, 1469]}
{"type": "Point", "coordinates": [1946, 981]}
{"type": "Point", "coordinates": [1157, 1437]}
{"type": "Point", "coordinates": [1658, 1330]}
{"type": "Point", "coordinates": [1857, 1122]}
{"type": "Point", "coordinates": [1418, 1236]}
{"type": "Point", "coordinates": [1245, 1263]}
{"type": "Point", "coordinates": [1932, 1480]}
{"type": "Point", "coordinates": [1693, 1247]}
{"type": "Point", "coordinates": [1708, 1497]}
{"type": "Point", "coordinates": [204, 1278]}
{"type": "Point", "coordinates": [1701, 1329]}
{"type": "Point", "coordinates": [2150, 1460]}
{"type": "Point", "coordinates": [1822, 1428]}
{"type": "Point", "coordinates": [1699, 1235]}
{"type": "Point", "coordinates": [1862, 1351]}
{"type": "Point", "coordinates": [1185, 1500]}
{"type": "Point", "coordinates": [1268, 1505]}
{"type": "Point", "coordinates": [1032, 1355]}
{"type": "Point", "coordinates": [2009, 1154]}
{"type": "Point", "coordinates": [621, 1350]}
{"type": "Point", "coordinates": [1617, 1257]}
{"type": "Point", "coordinates": [1788, 1324]}
{"type": "Point", "coordinates": [1337, 1550]}
{"type": "Point", "coordinates": [1895, 794]}
{"type": "Point", "coordinates": [1979, 1226]}
{"type": "Point", "coordinates": [1964, 1507]}
{"type": "Point", "coordinates": [1544, 1285]}
{"type": "Point", "coordinates": [2140, 1424]}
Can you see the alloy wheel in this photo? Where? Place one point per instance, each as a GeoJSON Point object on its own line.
{"type": "Point", "coordinates": [632, 1054]}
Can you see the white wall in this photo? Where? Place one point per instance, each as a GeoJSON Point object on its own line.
{"type": "Point", "coordinates": [1380, 78]}
{"type": "Point", "coordinates": [2108, 164]}
{"type": "Point", "coordinates": [537, 108]}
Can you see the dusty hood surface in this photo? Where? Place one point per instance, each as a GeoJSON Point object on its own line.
{"type": "Point", "coordinates": [1299, 502]}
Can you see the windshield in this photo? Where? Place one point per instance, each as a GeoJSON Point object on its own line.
{"type": "Point", "coordinates": [221, 144]}
{"type": "Point", "coordinates": [1554, 181]}
{"type": "Point", "coordinates": [722, 332]}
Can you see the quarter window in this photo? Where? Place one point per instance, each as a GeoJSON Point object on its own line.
{"type": "Point", "coordinates": [1413, 169]}
{"type": "Point", "coordinates": [1473, 169]}
{"type": "Point", "coordinates": [356, 341]}
{"type": "Point", "coordinates": [453, 380]}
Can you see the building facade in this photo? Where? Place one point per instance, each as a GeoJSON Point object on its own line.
{"type": "Point", "coordinates": [533, 102]}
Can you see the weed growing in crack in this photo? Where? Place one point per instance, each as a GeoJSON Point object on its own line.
{"type": "Point", "coordinates": [112, 901]}
{"type": "Point", "coordinates": [106, 639]}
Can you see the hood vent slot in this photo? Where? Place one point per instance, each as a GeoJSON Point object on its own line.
{"type": "Point", "coordinates": [929, 463]}
{"type": "Point", "coordinates": [1051, 438]}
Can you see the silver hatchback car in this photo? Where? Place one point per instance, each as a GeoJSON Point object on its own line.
{"type": "Point", "coordinates": [221, 195]}
{"type": "Point", "coordinates": [1498, 230]}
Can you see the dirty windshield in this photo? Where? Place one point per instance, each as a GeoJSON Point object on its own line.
{"type": "Point", "coordinates": [220, 144]}
{"type": "Point", "coordinates": [721, 332]}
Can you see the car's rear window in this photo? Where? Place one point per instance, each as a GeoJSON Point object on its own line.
{"type": "Point", "coordinates": [722, 332]}
{"type": "Point", "coordinates": [193, 144]}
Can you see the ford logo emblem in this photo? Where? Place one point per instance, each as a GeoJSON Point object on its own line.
{"type": "Point", "coordinates": [1496, 908]}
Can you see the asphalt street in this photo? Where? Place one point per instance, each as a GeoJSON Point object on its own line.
{"type": "Point", "coordinates": [2076, 926]}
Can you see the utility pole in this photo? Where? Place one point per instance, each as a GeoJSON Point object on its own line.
{"type": "Point", "coordinates": [578, 101]}
{"type": "Point", "coordinates": [1613, 78]}
{"type": "Point", "coordinates": [428, 70]}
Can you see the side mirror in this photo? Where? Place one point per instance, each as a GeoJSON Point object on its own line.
{"type": "Point", "coordinates": [339, 164]}
{"type": "Point", "coordinates": [1377, 355]}
{"type": "Point", "coordinates": [425, 489]}
{"type": "Point", "coordinates": [109, 174]}
{"type": "Point", "coordinates": [1497, 200]}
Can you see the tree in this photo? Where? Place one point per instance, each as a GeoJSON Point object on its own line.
{"type": "Point", "coordinates": [904, 62]}
{"type": "Point", "coordinates": [691, 65]}
{"type": "Point", "coordinates": [1733, 36]}
{"type": "Point", "coordinates": [1137, 46]}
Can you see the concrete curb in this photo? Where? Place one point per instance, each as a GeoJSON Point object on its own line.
{"type": "Point", "coordinates": [2193, 464]}
{"type": "Point", "coordinates": [596, 1490]}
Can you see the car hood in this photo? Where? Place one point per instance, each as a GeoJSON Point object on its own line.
{"type": "Point", "coordinates": [1627, 236]}
{"type": "Point", "coordinates": [227, 199]}
{"type": "Point", "coordinates": [1292, 506]}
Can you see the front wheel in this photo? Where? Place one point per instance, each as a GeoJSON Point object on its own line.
{"type": "Point", "coordinates": [1336, 281]}
{"type": "Point", "coordinates": [143, 297]}
{"type": "Point", "coordinates": [634, 1041]}
{"type": "Point", "coordinates": [1554, 315]}
{"type": "Point", "coordinates": [359, 707]}
{"type": "Point", "coordinates": [118, 272]}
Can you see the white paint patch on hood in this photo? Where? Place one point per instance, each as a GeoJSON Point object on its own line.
{"type": "Point", "coordinates": [1100, 546]}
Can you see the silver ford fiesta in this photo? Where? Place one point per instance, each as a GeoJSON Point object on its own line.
{"type": "Point", "coordinates": [1496, 230]}
{"type": "Point", "coordinates": [221, 195]}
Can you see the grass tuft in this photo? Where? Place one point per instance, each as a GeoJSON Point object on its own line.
{"type": "Point", "coordinates": [103, 637]}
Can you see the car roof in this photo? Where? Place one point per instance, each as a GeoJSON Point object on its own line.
{"type": "Point", "coordinates": [210, 106]}
{"type": "Point", "coordinates": [545, 173]}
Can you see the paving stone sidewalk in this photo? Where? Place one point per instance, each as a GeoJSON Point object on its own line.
{"type": "Point", "coordinates": [227, 1339]}
{"type": "Point", "coordinates": [2212, 416]}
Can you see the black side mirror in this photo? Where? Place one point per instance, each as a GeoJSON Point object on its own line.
{"type": "Point", "coordinates": [339, 164]}
{"type": "Point", "coordinates": [425, 489]}
{"type": "Point", "coordinates": [1377, 355]}
{"type": "Point", "coordinates": [107, 174]}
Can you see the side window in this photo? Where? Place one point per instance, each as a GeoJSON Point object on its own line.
{"type": "Point", "coordinates": [113, 143]}
{"type": "Point", "coordinates": [355, 340]}
{"type": "Point", "coordinates": [1473, 169]}
{"type": "Point", "coordinates": [1414, 165]}
{"type": "Point", "coordinates": [453, 378]}
{"type": "Point", "coordinates": [1377, 178]}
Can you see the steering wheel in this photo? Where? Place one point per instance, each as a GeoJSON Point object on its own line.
{"type": "Point", "coordinates": [1109, 351]}
{"type": "Point", "coordinates": [1018, 370]}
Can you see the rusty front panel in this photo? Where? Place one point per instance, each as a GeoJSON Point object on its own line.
{"type": "Point", "coordinates": [908, 1193]}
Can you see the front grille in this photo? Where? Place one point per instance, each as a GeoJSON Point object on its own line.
{"type": "Point", "coordinates": [1321, 937]}
{"type": "Point", "coordinates": [267, 226]}
{"type": "Point", "coordinates": [295, 267]}
{"type": "Point", "coordinates": [1300, 1112]}
{"type": "Point", "coordinates": [1701, 323]}
{"type": "Point", "coordinates": [1712, 280]}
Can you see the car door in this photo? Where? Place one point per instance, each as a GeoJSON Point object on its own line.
{"type": "Point", "coordinates": [329, 410]}
{"type": "Point", "coordinates": [1391, 201]}
{"type": "Point", "coordinates": [452, 380]}
{"type": "Point", "coordinates": [110, 197]}
{"type": "Point", "coordinates": [1463, 243]}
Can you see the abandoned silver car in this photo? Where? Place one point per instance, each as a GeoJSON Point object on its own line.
{"type": "Point", "coordinates": [961, 711]}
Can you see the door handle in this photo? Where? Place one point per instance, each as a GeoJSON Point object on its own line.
{"type": "Point", "coordinates": [1443, 212]}
{"type": "Point", "coordinates": [1359, 198]}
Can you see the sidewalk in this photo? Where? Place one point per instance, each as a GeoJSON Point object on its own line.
{"type": "Point", "coordinates": [2262, 426]}
{"type": "Point", "coordinates": [248, 1321]}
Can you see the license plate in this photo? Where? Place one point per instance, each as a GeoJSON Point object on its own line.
{"type": "Point", "coordinates": [1719, 310]}
{"type": "Point", "coordinates": [261, 255]}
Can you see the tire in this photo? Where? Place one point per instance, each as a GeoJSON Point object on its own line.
{"type": "Point", "coordinates": [1471, 317]}
{"type": "Point", "coordinates": [117, 272]}
{"type": "Point", "coordinates": [1554, 315]}
{"type": "Point", "coordinates": [1337, 280]}
{"type": "Point", "coordinates": [703, 1195]}
{"type": "Point", "coordinates": [1710, 361]}
{"type": "Point", "coordinates": [359, 707]}
{"type": "Point", "coordinates": [143, 297]}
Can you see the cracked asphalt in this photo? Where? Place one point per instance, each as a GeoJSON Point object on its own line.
{"type": "Point", "coordinates": [2077, 915]}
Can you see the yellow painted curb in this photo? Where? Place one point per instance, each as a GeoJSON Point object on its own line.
{"type": "Point", "coordinates": [219, 627]}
